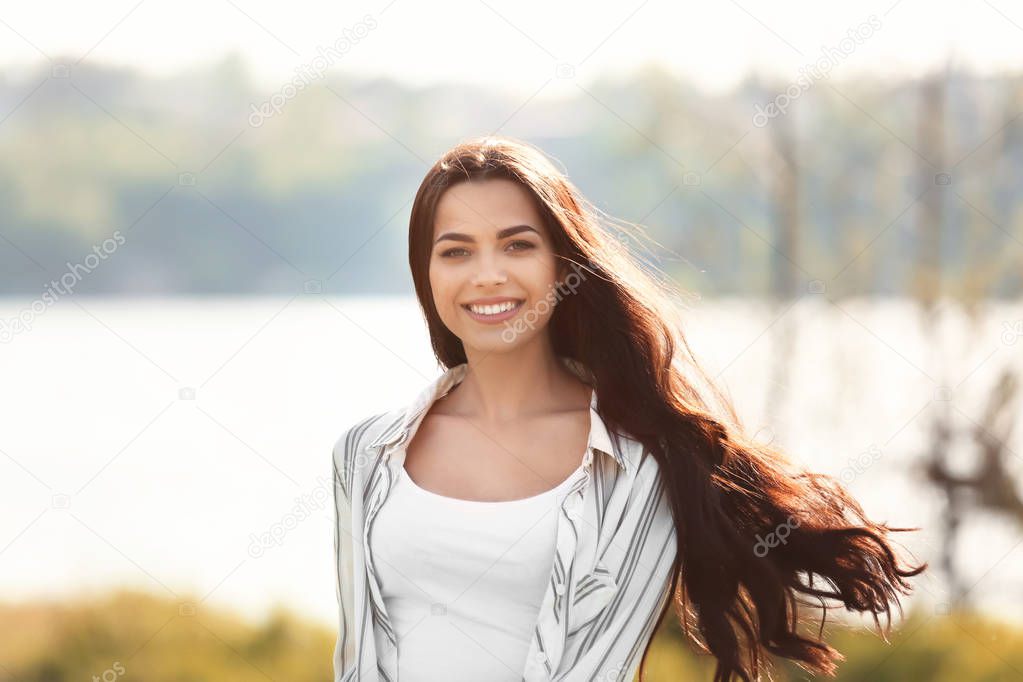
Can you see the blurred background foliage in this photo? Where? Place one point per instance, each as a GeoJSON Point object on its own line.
{"type": "Point", "coordinates": [183, 168]}
{"type": "Point", "coordinates": [154, 639]}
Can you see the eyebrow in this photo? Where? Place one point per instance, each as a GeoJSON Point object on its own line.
{"type": "Point", "coordinates": [506, 232]}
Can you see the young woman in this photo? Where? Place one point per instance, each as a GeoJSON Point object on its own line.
{"type": "Point", "coordinates": [533, 512]}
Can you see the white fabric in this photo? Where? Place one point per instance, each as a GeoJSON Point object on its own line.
{"type": "Point", "coordinates": [463, 580]}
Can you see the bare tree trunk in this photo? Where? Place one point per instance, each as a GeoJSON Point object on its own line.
{"type": "Point", "coordinates": [926, 289]}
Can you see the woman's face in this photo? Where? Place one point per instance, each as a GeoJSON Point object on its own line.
{"type": "Point", "coordinates": [491, 251]}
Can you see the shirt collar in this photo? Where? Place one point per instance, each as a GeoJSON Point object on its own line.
{"type": "Point", "coordinates": [410, 416]}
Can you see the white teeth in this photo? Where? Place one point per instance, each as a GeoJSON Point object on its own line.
{"type": "Point", "coordinates": [493, 309]}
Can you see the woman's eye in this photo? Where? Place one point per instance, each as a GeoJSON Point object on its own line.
{"type": "Point", "coordinates": [520, 245]}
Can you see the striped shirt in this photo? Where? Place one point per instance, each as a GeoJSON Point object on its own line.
{"type": "Point", "coordinates": [615, 545]}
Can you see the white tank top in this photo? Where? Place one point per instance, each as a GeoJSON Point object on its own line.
{"type": "Point", "coordinates": [462, 580]}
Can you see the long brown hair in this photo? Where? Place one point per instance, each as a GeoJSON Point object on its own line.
{"type": "Point", "coordinates": [727, 490]}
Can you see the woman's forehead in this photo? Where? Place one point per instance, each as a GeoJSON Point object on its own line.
{"type": "Point", "coordinates": [486, 206]}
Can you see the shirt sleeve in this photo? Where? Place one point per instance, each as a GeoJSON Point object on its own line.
{"type": "Point", "coordinates": [344, 648]}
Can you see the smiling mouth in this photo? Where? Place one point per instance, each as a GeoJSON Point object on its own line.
{"type": "Point", "coordinates": [494, 311]}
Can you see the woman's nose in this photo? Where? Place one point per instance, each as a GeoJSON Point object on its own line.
{"type": "Point", "coordinates": [489, 272]}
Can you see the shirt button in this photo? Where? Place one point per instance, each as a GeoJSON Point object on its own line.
{"type": "Point", "coordinates": [559, 588]}
{"type": "Point", "coordinates": [541, 656]}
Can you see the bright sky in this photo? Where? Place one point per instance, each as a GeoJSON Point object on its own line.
{"type": "Point", "coordinates": [517, 45]}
